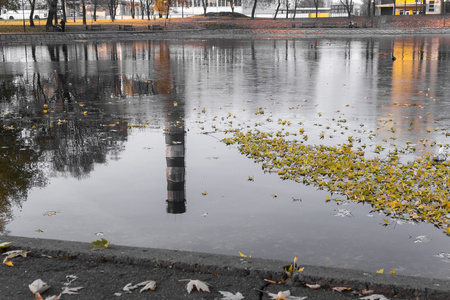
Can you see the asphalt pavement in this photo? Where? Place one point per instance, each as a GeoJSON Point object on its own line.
{"type": "Point", "coordinates": [103, 274]}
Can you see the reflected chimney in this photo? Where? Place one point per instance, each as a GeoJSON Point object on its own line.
{"type": "Point", "coordinates": [175, 171]}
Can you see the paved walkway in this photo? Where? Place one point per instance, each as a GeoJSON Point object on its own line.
{"type": "Point", "coordinates": [59, 37]}
{"type": "Point", "coordinates": [104, 273]}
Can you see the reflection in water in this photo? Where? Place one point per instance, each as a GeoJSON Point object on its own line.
{"type": "Point", "coordinates": [82, 106]}
{"type": "Point", "coordinates": [175, 151]}
{"type": "Point", "coordinates": [19, 170]}
{"type": "Point", "coordinates": [174, 132]}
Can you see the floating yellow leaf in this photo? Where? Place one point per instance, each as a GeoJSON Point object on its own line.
{"type": "Point", "coordinates": [380, 271]}
{"type": "Point", "coordinates": [392, 272]}
{"type": "Point", "coordinates": [100, 244]}
{"type": "Point", "coordinates": [243, 255]}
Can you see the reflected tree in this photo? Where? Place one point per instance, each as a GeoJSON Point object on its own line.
{"type": "Point", "coordinates": [19, 170]}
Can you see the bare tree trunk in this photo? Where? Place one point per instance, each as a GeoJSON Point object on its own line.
{"type": "Point", "coordinates": [32, 4]}
{"type": "Point", "coordinates": [95, 10]}
{"type": "Point", "coordinates": [276, 12]}
{"type": "Point", "coordinates": [254, 9]}
{"type": "Point", "coordinates": [52, 16]}
{"type": "Point", "coordinates": [295, 9]}
{"type": "Point", "coordinates": [84, 12]}
{"type": "Point", "coordinates": [63, 7]}
{"type": "Point", "coordinates": [287, 8]}
{"type": "Point", "coordinates": [133, 9]}
{"type": "Point", "coordinates": [205, 6]}
{"type": "Point", "coordinates": [316, 4]}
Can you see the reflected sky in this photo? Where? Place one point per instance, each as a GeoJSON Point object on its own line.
{"type": "Point", "coordinates": [125, 139]}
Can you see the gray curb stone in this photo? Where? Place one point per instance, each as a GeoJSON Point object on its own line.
{"type": "Point", "coordinates": [402, 287]}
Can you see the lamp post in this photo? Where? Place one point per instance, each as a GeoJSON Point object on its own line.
{"type": "Point", "coordinates": [165, 8]}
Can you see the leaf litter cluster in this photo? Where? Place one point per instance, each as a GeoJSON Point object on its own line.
{"type": "Point", "coordinates": [359, 169]}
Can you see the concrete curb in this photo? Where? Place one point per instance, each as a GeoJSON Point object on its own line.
{"type": "Point", "coordinates": [390, 285]}
{"type": "Point", "coordinates": [201, 33]}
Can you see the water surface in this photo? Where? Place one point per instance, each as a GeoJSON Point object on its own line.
{"type": "Point", "coordinates": [123, 141]}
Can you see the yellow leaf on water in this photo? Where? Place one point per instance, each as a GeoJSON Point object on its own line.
{"type": "Point", "coordinates": [100, 244]}
{"type": "Point", "coordinates": [392, 272]}
{"type": "Point", "coordinates": [243, 255]}
{"type": "Point", "coordinates": [380, 271]}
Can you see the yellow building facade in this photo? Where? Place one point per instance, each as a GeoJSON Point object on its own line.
{"type": "Point", "coordinates": [408, 7]}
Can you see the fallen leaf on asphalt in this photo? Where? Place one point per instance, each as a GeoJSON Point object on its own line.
{"type": "Point", "coordinates": [341, 289]}
{"type": "Point", "coordinates": [374, 297]}
{"type": "Point", "coordinates": [286, 295]}
{"type": "Point", "coordinates": [54, 297]}
{"type": "Point", "coordinates": [199, 285]}
{"type": "Point", "coordinates": [293, 268]}
{"type": "Point", "coordinates": [129, 287]}
{"type": "Point", "coordinates": [70, 279]}
{"type": "Point", "coordinates": [149, 285]}
{"type": "Point", "coordinates": [313, 286]}
{"type": "Point", "coordinates": [100, 244]}
{"type": "Point", "coordinates": [366, 292]}
{"type": "Point", "coordinates": [231, 296]}
{"type": "Point", "coordinates": [271, 281]}
{"type": "Point", "coordinates": [38, 286]}
{"type": "Point", "coordinates": [5, 245]}
{"type": "Point", "coordinates": [14, 253]}
{"type": "Point", "coordinates": [8, 262]}
{"type": "Point", "coordinates": [71, 290]}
